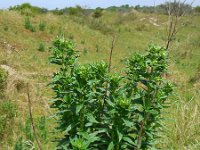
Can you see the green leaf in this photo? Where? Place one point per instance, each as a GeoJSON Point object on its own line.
{"type": "Point", "coordinates": [69, 128]}
{"type": "Point", "coordinates": [127, 123]}
{"type": "Point", "coordinates": [110, 146]}
{"type": "Point", "coordinates": [129, 140]}
{"type": "Point", "coordinates": [91, 118]}
{"type": "Point", "coordinates": [120, 136]}
{"type": "Point", "coordinates": [78, 108]}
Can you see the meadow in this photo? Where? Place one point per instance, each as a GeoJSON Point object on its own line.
{"type": "Point", "coordinates": [25, 39]}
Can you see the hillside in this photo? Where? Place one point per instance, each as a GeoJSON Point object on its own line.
{"type": "Point", "coordinates": [24, 54]}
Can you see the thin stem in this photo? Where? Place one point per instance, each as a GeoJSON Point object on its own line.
{"type": "Point", "coordinates": [31, 118]}
{"type": "Point", "coordinates": [111, 52]}
{"type": "Point", "coordinates": [109, 69]}
{"type": "Point", "coordinates": [139, 139]}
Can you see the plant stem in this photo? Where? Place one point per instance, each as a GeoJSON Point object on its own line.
{"type": "Point", "coordinates": [109, 69]}
{"type": "Point", "coordinates": [31, 118]}
{"type": "Point", "coordinates": [139, 139]}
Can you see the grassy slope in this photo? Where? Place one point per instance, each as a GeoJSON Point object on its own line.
{"type": "Point", "coordinates": [134, 36]}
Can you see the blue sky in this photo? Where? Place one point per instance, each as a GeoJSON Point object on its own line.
{"type": "Point", "coordinates": [52, 4]}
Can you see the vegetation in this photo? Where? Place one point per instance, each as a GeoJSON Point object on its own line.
{"type": "Point", "coordinates": [97, 13]}
{"type": "Point", "coordinates": [28, 25]}
{"type": "Point", "coordinates": [3, 78]}
{"type": "Point", "coordinates": [134, 30]}
{"type": "Point", "coordinates": [28, 10]}
{"type": "Point", "coordinates": [99, 110]}
{"type": "Point", "coordinates": [41, 47]}
{"type": "Point", "coordinates": [42, 25]}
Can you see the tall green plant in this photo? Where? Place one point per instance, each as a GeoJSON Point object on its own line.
{"type": "Point", "coordinates": [3, 82]}
{"type": "Point", "coordinates": [102, 110]}
{"type": "Point", "coordinates": [28, 25]}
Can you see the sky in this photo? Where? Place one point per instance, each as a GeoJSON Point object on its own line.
{"type": "Point", "coordinates": [52, 4]}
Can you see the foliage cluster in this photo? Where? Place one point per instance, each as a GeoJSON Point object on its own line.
{"type": "Point", "coordinates": [73, 11]}
{"type": "Point", "coordinates": [42, 25]}
{"type": "Point", "coordinates": [28, 25]}
{"type": "Point", "coordinates": [102, 110]}
{"type": "Point", "coordinates": [41, 47]}
{"type": "Point", "coordinates": [28, 10]}
{"type": "Point", "coordinates": [98, 12]}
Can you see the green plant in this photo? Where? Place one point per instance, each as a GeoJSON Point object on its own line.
{"type": "Point", "coordinates": [98, 12]}
{"type": "Point", "coordinates": [19, 144]}
{"type": "Point", "coordinates": [76, 11]}
{"type": "Point", "coordinates": [28, 10]}
{"type": "Point", "coordinates": [42, 25]}
{"type": "Point", "coordinates": [42, 128]}
{"type": "Point", "coordinates": [28, 130]}
{"type": "Point", "coordinates": [28, 25]}
{"type": "Point", "coordinates": [102, 110]}
{"type": "Point", "coordinates": [3, 78]}
{"type": "Point", "coordinates": [85, 51]}
{"type": "Point", "coordinates": [5, 28]}
{"type": "Point", "coordinates": [7, 114]}
{"type": "Point", "coordinates": [83, 42]}
{"type": "Point", "coordinates": [41, 47]}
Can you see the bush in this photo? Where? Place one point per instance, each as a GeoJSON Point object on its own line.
{"type": "Point", "coordinates": [28, 10]}
{"type": "Point", "coordinates": [5, 28]}
{"type": "Point", "coordinates": [28, 25]}
{"type": "Point", "coordinates": [98, 13]}
{"type": "Point", "coordinates": [100, 110]}
{"type": "Point", "coordinates": [77, 11]}
{"type": "Point", "coordinates": [41, 47]}
{"type": "Point", "coordinates": [42, 26]}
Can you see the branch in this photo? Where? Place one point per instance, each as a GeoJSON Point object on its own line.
{"type": "Point", "coordinates": [111, 52]}
{"type": "Point", "coordinates": [109, 69]}
{"type": "Point", "coordinates": [31, 118]}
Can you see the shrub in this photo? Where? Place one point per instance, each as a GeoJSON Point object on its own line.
{"type": "Point", "coordinates": [42, 26]}
{"type": "Point", "coordinates": [28, 10]}
{"type": "Point", "coordinates": [77, 11]}
{"type": "Point", "coordinates": [5, 28]}
{"type": "Point", "coordinates": [100, 110]}
{"type": "Point", "coordinates": [83, 42]}
{"type": "Point", "coordinates": [28, 25]}
{"type": "Point", "coordinates": [41, 47]}
{"type": "Point", "coordinates": [98, 12]}
{"type": "Point", "coordinates": [85, 51]}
